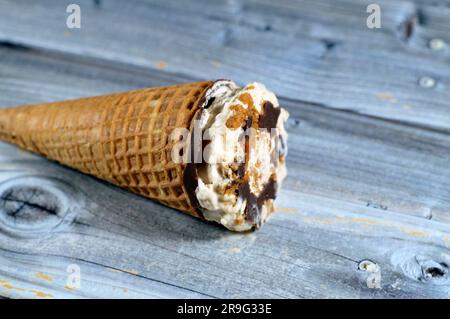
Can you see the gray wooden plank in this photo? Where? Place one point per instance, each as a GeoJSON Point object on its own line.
{"type": "Point", "coordinates": [403, 148]}
{"type": "Point", "coordinates": [315, 51]}
{"type": "Point", "coordinates": [434, 3]}
{"type": "Point", "coordinates": [31, 275]}
{"type": "Point", "coordinates": [312, 250]}
{"type": "Point", "coordinates": [359, 188]}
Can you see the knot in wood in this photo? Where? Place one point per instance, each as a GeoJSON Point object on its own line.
{"type": "Point", "coordinates": [423, 268]}
{"type": "Point", "coordinates": [33, 204]}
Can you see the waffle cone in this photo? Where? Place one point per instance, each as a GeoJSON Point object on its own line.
{"type": "Point", "coordinates": [122, 138]}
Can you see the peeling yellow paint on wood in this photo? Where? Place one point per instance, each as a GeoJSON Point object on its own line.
{"type": "Point", "coordinates": [343, 220]}
{"type": "Point", "coordinates": [386, 96]}
{"type": "Point", "coordinates": [124, 290]}
{"type": "Point", "coordinates": [286, 210]}
{"type": "Point", "coordinates": [41, 294]}
{"type": "Point", "coordinates": [9, 286]}
{"type": "Point", "coordinates": [114, 270]}
{"type": "Point", "coordinates": [133, 272]}
{"type": "Point", "coordinates": [415, 232]}
{"type": "Point", "coordinates": [43, 276]}
{"type": "Point", "coordinates": [418, 233]}
{"type": "Point", "coordinates": [367, 221]}
{"type": "Point", "coordinates": [127, 271]}
{"type": "Point", "coordinates": [161, 65]}
{"type": "Point", "coordinates": [37, 294]}
{"type": "Point", "coordinates": [69, 288]}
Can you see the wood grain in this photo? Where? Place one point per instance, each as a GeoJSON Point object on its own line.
{"type": "Point", "coordinates": [360, 189]}
{"type": "Point", "coordinates": [316, 51]}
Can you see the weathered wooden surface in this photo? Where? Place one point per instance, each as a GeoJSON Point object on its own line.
{"type": "Point", "coordinates": [315, 50]}
{"type": "Point", "coordinates": [369, 162]}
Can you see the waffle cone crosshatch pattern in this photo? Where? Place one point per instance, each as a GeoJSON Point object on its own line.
{"type": "Point", "coordinates": [122, 138]}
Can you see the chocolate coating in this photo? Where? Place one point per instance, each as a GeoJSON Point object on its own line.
{"type": "Point", "coordinates": [255, 203]}
{"type": "Point", "coordinates": [190, 176]}
{"type": "Point", "coordinates": [270, 117]}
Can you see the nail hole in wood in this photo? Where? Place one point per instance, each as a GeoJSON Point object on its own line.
{"type": "Point", "coordinates": [409, 29]}
{"type": "Point", "coordinates": [369, 266]}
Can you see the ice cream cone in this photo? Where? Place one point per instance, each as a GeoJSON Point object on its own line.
{"type": "Point", "coordinates": [126, 139]}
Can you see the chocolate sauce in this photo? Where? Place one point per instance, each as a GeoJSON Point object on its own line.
{"type": "Point", "coordinates": [270, 117]}
{"type": "Point", "coordinates": [209, 102]}
{"type": "Point", "coordinates": [241, 170]}
{"type": "Point", "coordinates": [190, 177]}
{"type": "Point", "coordinates": [255, 203]}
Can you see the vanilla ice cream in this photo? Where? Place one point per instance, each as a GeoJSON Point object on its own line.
{"type": "Point", "coordinates": [244, 149]}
